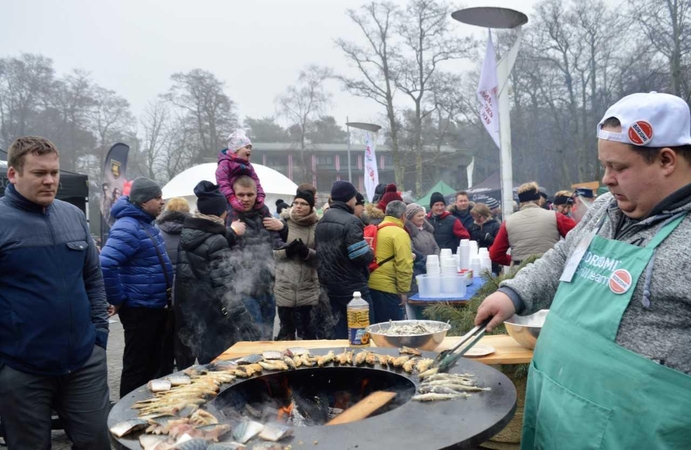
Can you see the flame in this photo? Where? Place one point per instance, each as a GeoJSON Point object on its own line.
{"type": "Point", "coordinates": [285, 412]}
{"type": "Point", "coordinates": [342, 400]}
{"type": "Point", "coordinates": [363, 387]}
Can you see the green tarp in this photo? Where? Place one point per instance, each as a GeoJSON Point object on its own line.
{"type": "Point", "coordinates": [442, 187]}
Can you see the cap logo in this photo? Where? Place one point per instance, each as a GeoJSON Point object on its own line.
{"type": "Point", "coordinates": [620, 281]}
{"type": "Point", "coordinates": [640, 132]}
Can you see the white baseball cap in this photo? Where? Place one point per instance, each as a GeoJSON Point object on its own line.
{"type": "Point", "coordinates": [649, 120]}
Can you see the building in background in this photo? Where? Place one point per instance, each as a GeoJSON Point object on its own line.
{"type": "Point", "coordinates": [323, 164]}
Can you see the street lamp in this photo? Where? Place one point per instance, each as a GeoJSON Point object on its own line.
{"type": "Point", "coordinates": [505, 18]}
{"type": "Point", "coordinates": [360, 126]}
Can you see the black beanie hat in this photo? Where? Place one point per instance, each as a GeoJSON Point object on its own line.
{"type": "Point", "coordinates": [210, 201]}
{"type": "Point", "coordinates": [342, 191]}
{"type": "Point", "coordinates": [306, 196]}
{"type": "Point", "coordinates": [360, 199]}
{"type": "Point", "coordinates": [436, 198]}
{"type": "Point", "coordinates": [280, 206]}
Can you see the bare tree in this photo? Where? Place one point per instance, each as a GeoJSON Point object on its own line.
{"type": "Point", "coordinates": [201, 96]}
{"type": "Point", "coordinates": [424, 29]}
{"type": "Point", "coordinates": [304, 102]}
{"type": "Point", "coordinates": [667, 25]}
{"type": "Point", "coordinates": [374, 62]}
{"type": "Point", "coordinates": [153, 122]}
{"type": "Point", "coordinates": [25, 82]}
{"type": "Point", "coordinates": [110, 117]}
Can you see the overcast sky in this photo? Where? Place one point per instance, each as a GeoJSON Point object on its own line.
{"type": "Point", "coordinates": [133, 46]}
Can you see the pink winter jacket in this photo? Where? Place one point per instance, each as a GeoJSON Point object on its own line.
{"type": "Point", "coordinates": [230, 168]}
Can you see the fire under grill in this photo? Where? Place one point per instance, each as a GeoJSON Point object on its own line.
{"type": "Point", "coordinates": [310, 397]}
{"type": "Point", "coordinates": [306, 398]}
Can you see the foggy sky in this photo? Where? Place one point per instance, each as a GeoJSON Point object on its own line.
{"type": "Point", "coordinates": [256, 46]}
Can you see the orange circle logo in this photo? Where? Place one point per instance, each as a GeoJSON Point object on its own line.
{"type": "Point", "coordinates": [641, 132]}
{"type": "Point", "coordinates": [620, 281]}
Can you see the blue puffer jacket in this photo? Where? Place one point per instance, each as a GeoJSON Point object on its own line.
{"type": "Point", "coordinates": [132, 270]}
{"type": "Point", "coordinates": [52, 302]}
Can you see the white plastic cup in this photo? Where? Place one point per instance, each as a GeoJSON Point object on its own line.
{"type": "Point", "coordinates": [445, 253]}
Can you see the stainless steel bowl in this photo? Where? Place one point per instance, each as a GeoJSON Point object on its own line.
{"type": "Point", "coordinates": [526, 329]}
{"type": "Point", "coordinates": [427, 341]}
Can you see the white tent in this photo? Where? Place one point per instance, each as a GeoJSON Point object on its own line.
{"type": "Point", "coordinates": [275, 184]}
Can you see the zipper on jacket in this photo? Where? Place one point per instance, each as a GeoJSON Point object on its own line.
{"type": "Point", "coordinates": [64, 285]}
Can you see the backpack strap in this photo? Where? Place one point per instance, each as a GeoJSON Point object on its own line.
{"type": "Point", "coordinates": [374, 242]}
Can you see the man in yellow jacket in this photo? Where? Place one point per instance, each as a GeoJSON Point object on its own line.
{"type": "Point", "coordinates": [390, 283]}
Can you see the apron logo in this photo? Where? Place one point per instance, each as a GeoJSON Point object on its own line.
{"type": "Point", "coordinates": [640, 133]}
{"type": "Point", "coordinates": [620, 281]}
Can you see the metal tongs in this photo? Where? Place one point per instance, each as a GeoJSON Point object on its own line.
{"type": "Point", "coordinates": [446, 359]}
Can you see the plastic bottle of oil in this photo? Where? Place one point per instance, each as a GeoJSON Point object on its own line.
{"type": "Point", "coordinates": [358, 320]}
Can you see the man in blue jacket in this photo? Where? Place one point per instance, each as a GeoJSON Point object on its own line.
{"type": "Point", "coordinates": [138, 278]}
{"type": "Point", "coordinates": [53, 320]}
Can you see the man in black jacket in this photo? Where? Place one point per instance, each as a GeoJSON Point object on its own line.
{"type": "Point", "coordinates": [253, 258]}
{"type": "Point", "coordinates": [209, 318]}
{"type": "Point", "coordinates": [461, 209]}
{"type": "Point", "coordinates": [344, 255]}
{"type": "Point", "coordinates": [53, 319]}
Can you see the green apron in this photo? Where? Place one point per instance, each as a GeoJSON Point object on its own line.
{"type": "Point", "coordinates": [585, 391]}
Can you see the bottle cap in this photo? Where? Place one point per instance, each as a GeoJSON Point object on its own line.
{"type": "Point", "coordinates": [357, 294]}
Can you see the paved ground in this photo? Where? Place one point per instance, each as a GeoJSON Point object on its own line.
{"type": "Point", "coordinates": [116, 344]}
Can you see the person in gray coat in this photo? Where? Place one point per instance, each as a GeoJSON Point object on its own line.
{"type": "Point", "coordinates": [297, 286]}
{"type": "Point", "coordinates": [422, 237]}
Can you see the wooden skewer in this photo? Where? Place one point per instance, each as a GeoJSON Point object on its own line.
{"type": "Point", "coordinates": [364, 408]}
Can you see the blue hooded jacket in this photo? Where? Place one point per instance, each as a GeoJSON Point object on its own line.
{"type": "Point", "coordinates": [52, 302]}
{"type": "Point", "coordinates": [132, 270]}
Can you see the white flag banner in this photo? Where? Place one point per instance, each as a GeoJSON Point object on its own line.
{"type": "Point", "coordinates": [469, 171]}
{"type": "Point", "coordinates": [371, 170]}
{"type": "Point", "coordinates": [487, 92]}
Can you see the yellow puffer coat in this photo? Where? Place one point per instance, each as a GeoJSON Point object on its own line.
{"type": "Point", "coordinates": [394, 276]}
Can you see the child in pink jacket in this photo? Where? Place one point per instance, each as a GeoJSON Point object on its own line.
{"type": "Point", "coordinates": [234, 162]}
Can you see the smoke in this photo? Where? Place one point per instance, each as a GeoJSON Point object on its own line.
{"type": "Point", "coordinates": [323, 320]}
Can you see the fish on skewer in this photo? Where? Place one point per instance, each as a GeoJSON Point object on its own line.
{"type": "Point", "coordinates": [307, 360]}
{"type": "Point", "coordinates": [326, 359]}
{"type": "Point", "coordinates": [276, 365]}
{"type": "Point", "coordinates": [409, 365]}
{"type": "Point", "coordinates": [342, 358]}
{"type": "Point", "coordinates": [398, 362]}
{"type": "Point", "coordinates": [290, 363]}
{"type": "Point", "coordinates": [424, 364]}
{"type": "Point", "coordinates": [371, 358]}
{"type": "Point", "coordinates": [360, 357]}
{"type": "Point", "coordinates": [409, 351]}
{"type": "Point", "coordinates": [432, 397]}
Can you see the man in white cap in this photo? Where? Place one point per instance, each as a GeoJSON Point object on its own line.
{"type": "Point", "coordinates": [612, 366]}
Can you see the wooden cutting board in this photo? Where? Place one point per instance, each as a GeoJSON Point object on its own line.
{"type": "Point", "coordinates": [507, 351]}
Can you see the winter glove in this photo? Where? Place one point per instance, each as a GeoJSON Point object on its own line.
{"type": "Point", "coordinates": [302, 249]}
{"type": "Point", "coordinates": [292, 249]}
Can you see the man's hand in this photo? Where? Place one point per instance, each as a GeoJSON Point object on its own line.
{"type": "Point", "coordinates": [498, 306]}
{"type": "Point", "coordinates": [113, 310]}
{"type": "Point", "coordinates": [238, 227]}
{"type": "Point", "coordinates": [404, 299]}
{"type": "Point", "coordinates": [272, 224]}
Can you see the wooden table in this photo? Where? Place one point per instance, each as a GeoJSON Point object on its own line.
{"type": "Point", "coordinates": [507, 351]}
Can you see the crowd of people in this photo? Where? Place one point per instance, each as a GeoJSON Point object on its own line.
{"type": "Point", "coordinates": [187, 285]}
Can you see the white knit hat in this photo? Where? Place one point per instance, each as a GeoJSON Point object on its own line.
{"type": "Point", "coordinates": [649, 120]}
{"type": "Point", "coordinates": [237, 140]}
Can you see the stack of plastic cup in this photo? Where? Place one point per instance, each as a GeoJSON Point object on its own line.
{"type": "Point", "coordinates": [432, 265]}
{"type": "Point", "coordinates": [449, 266]}
{"type": "Point", "coordinates": [485, 261]}
{"type": "Point", "coordinates": [445, 253]}
{"type": "Point", "coordinates": [473, 248]}
{"type": "Point", "coordinates": [464, 254]}
{"type": "Point", "coordinates": [476, 266]}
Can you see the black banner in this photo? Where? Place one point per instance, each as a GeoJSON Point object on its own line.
{"type": "Point", "coordinates": [114, 177]}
